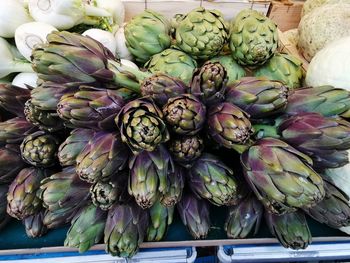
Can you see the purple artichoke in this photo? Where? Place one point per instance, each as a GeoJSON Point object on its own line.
{"type": "Point", "coordinates": [11, 162]}
{"type": "Point", "coordinates": [186, 149]}
{"type": "Point", "coordinates": [13, 98]}
{"type": "Point", "coordinates": [15, 130]}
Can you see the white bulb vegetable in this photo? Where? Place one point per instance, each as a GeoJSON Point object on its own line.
{"type": "Point", "coordinates": [128, 63]}
{"type": "Point", "coordinates": [115, 7]}
{"type": "Point", "coordinates": [122, 51]}
{"type": "Point", "coordinates": [104, 37]}
{"type": "Point", "coordinates": [23, 79]}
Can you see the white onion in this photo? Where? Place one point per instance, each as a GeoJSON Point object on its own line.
{"type": "Point", "coordinates": [105, 38]}
{"type": "Point", "coordinates": [23, 79]}
{"type": "Point", "coordinates": [122, 51]}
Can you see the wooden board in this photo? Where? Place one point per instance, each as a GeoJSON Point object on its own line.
{"type": "Point", "coordinates": [286, 14]}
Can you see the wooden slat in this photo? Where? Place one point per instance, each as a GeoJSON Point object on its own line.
{"type": "Point", "coordinates": [286, 14]}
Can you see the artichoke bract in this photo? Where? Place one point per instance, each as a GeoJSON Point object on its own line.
{"type": "Point", "coordinates": [201, 33]}
{"type": "Point", "coordinates": [4, 217]}
{"type": "Point", "coordinates": [334, 209]}
{"type": "Point", "coordinates": [73, 145]}
{"type": "Point", "coordinates": [194, 214]}
{"type": "Point", "coordinates": [147, 34]}
{"type": "Point", "coordinates": [290, 229]}
{"type": "Point", "coordinates": [63, 195]}
{"type": "Point", "coordinates": [149, 175]}
{"type": "Point", "coordinates": [90, 108]}
{"type": "Point", "coordinates": [253, 38]}
{"type": "Point", "coordinates": [258, 97]}
{"type": "Point", "coordinates": [15, 130]}
{"type": "Point", "coordinates": [209, 82]}
{"type": "Point", "coordinates": [103, 156]}
{"type": "Point", "coordinates": [176, 182]}
{"type": "Point", "coordinates": [284, 68]}
{"type": "Point", "coordinates": [22, 199]}
{"type": "Point", "coordinates": [185, 114]}
{"type": "Point", "coordinates": [11, 162]}
{"type": "Point", "coordinates": [40, 149]}
{"type": "Point", "coordinates": [325, 140]}
{"type": "Point", "coordinates": [160, 218]}
{"type": "Point", "coordinates": [281, 176]}
{"type": "Point", "coordinates": [161, 88]}
{"type": "Point", "coordinates": [173, 62]}
{"type": "Point", "coordinates": [186, 149]}
{"type": "Point", "coordinates": [13, 98]}
{"type": "Point", "coordinates": [233, 69]}
{"type": "Point", "coordinates": [326, 100]}
{"type": "Point", "coordinates": [141, 125]}
{"type": "Point", "coordinates": [86, 228]}
{"type": "Point", "coordinates": [34, 224]}
{"type": "Point", "coordinates": [228, 125]}
{"type": "Point", "coordinates": [125, 229]}
{"type": "Point", "coordinates": [213, 180]}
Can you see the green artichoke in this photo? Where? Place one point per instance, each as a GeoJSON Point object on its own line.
{"type": "Point", "coordinates": [103, 156]}
{"type": "Point", "coordinates": [228, 125]}
{"type": "Point", "coordinates": [15, 130]}
{"type": "Point", "coordinates": [325, 140]}
{"type": "Point", "coordinates": [40, 149]}
{"type": "Point", "coordinates": [12, 99]}
{"type": "Point", "coordinates": [185, 114]}
{"type": "Point", "coordinates": [105, 194]}
{"type": "Point", "coordinates": [209, 82]}
{"type": "Point", "coordinates": [233, 69]}
{"type": "Point", "coordinates": [244, 217]}
{"type": "Point", "coordinates": [284, 68]}
{"type": "Point", "coordinates": [201, 33]}
{"type": "Point", "coordinates": [125, 229]}
{"type": "Point", "coordinates": [63, 195]}
{"type": "Point", "coordinates": [326, 100]}
{"type": "Point", "coordinates": [149, 175]}
{"type": "Point", "coordinates": [290, 229]}
{"type": "Point", "coordinates": [22, 200]}
{"type": "Point", "coordinates": [86, 228]}
{"type": "Point", "coordinates": [43, 119]}
{"type": "Point", "coordinates": [90, 108]}
{"type": "Point", "coordinates": [141, 125]}
{"type": "Point", "coordinates": [73, 145]}
{"type": "Point", "coordinates": [161, 88]}
{"type": "Point", "coordinates": [213, 180]}
{"type": "Point", "coordinates": [160, 218]}
{"type": "Point", "coordinates": [176, 182]}
{"type": "Point", "coordinates": [11, 162]}
{"type": "Point", "coordinates": [186, 149]}
{"type": "Point", "coordinates": [258, 97]}
{"type": "Point", "coordinates": [253, 38]}
{"type": "Point", "coordinates": [34, 224]}
{"type": "Point", "coordinates": [173, 62]}
{"type": "Point", "coordinates": [4, 217]}
{"type": "Point", "coordinates": [194, 213]}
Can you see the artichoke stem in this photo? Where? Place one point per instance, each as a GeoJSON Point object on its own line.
{"type": "Point", "coordinates": [263, 131]}
{"type": "Point", "coordinates": [240, 148]}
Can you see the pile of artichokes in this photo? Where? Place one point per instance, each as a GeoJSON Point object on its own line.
{"type": "Point", "coordinates": [115, 151]}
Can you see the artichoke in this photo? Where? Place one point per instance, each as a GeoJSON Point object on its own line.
{"type": "Point", "coordinates": [228, 125]}
{"type": "Point", "coordinates": [11, 162]}
{"type": "Point", "coordinates": [244, 217]}
{"type": "Point", "coordinates": [290, 229]}
{"type": "Point", "coordinates": [258, 97]}
{"type": "Point", "coordinates": [22, 200]}
{"type": "Point", "coordinates": [160, 218]}
{"type": "Point", "coordinates": [176, 182]}
{"type": "Point", "coordinates": [13, 98]}
{"type": "Point", "coordinates": [209, 82]}
{"type": "Point", "coordinates": [185, 114]}
{"type": "Point", "coordinates": [73, 145]}
{"type": "Point", "coordinates": [186, 149]}
{"type": "Point", "coordinates": [86, 228]}
{"type": "Point", "coordinates": [201, 33]}
{"type": "Point", "coordinates": [213, 180]}
{"type": "Point", "coordinates": [34, 224]}
{"type": "Point", "coordinates": [105, 194]}
{"type": "Point", "coordinates": [326, 100]}
{"type": "Point", "coordinates": [103, 156]}
{"type": "Point", "coordinates": [43, 119]}
{"type": "Point", "coordinates": [233, 69]}
{"type": "Point", "coordinates": [194, 213]}
{"type": "Point", "coordinates": [40, 149]}
{"type": "Point", "coordinates": [4, 217]}
{"type": "Point", "coordinates": [284, 68]}
{"type": "Point", "coordinates": [281, 176]}
{"type": "Point", "coordinates": [161, 88]}
{"type": "Point", "coordinates": [90, 108]}
{"type": "Point", "coordinates": [141, 125]}
{"type": "Point", "coordinates": [149, 175]}
{"type": "Point", "coordinates": [173, 62]}
{"type": "Point", "coordinates": [125, 229]}
{"type": "Point", "coordinates": [63, 195]}
{"type": "Point", "coordinates": [15, 130]}
{"type": "Point", "coordinates": [325, 140]}
{"type": "Point", "coordinates": [253, 38]}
